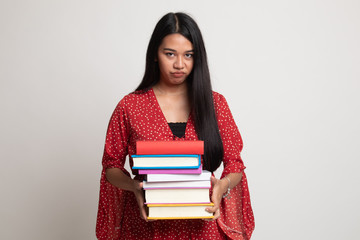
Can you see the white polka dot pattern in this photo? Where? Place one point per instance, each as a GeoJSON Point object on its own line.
{"type": "Point", "coordinates": [138, 117]}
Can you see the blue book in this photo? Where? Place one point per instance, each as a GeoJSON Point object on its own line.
{"type": "Point", "coordinates": [166, 161]}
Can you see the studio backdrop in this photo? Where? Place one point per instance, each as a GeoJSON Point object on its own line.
{"type": "Point", "coordinates": [288, 69]}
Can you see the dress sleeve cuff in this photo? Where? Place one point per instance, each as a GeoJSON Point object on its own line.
{"type": "Point", "coordinates": [233, 168]}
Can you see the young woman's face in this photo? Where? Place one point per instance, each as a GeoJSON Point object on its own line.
{"type": "Point", "coordinates": [175, 58]}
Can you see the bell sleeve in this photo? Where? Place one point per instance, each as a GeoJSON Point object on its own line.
{"type": "Point", "coordinates": [236, 215]}
{"type": "Point", "coordinates": [111, 199]}
{"type": "Point", "coordinates": [116, 144]}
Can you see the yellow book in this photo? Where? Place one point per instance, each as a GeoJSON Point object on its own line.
{"type": "Point", "coordinates": [179, 211]}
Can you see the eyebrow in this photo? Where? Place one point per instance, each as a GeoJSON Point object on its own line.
{"type": "Point", "coordinates": [172, 50]}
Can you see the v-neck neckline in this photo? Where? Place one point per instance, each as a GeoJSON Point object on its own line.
{"type": "Point", "coordinates": [164, 118]}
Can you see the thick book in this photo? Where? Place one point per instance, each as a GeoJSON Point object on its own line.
{"type": "Point", "coordinates": [204, 176]}
{"type": "Point", "coordinates": [166, 161]}
{"type": "Point", "coordinates": [169, 147]}
{"type": "Point", "coordinates": [171, 171]}
{"type": "Point", "coordinates": [179, 211]}
{"type": "Point", "coordinates": [174, 185]}
{"type": "Point", "coordinates": [178, 195]}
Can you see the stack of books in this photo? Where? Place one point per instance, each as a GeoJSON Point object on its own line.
{"type": "Point", "coordinates": [176, 187]}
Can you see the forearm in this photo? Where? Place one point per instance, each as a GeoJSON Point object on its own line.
{"type": "Point", "coordinates": [119, 179]}
{"type": "Point", "coordinates": [234, 178]}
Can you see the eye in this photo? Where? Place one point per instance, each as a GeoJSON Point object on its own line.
{"type": "Point", "coordinates": [188, 55]}
{"type": "Point", "coordinates": [169, 54]}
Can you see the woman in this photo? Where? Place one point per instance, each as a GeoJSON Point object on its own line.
{"type": "Point", "coordinates": [174, 102]}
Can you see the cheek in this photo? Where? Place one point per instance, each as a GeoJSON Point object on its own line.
{"type": "Point", "coordinates": [191, 65]}
{"type": "Point", "coordinates": [160, 63]}
{"type": "Point", "coordinates": [163, 66]}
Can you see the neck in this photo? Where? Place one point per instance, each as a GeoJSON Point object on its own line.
{"type": "Point", "coordinates": [170, 89]}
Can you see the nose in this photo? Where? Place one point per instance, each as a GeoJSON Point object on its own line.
{"type": "Point", "coordinates": [179, 63]}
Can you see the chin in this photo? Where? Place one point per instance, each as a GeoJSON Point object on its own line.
{"type": "Point", "coordinates": [178, 81]}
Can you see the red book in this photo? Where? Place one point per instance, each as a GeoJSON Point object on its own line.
{"type": "Point", "coordinates": [169, 147]}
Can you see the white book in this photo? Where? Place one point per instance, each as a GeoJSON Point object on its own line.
{"type": "Point", "coordinates": [204, 176]}
{"type": "Point", "coordinates": [183, 195]}
{"type": "Point", "coordinates": [182, 184]}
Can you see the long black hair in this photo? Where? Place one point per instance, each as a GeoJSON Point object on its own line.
{"type": "Point", "coordinates": [198, 82]}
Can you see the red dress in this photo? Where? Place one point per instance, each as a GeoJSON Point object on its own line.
{"type": "Point", "coordinates": [138, 116]}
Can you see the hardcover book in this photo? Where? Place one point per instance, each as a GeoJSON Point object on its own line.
{"type": "Point", "coordinates": [169, 147]}
{"type": "Point", "coordinates": [185, 184]}
{"type": "Point", "coordinates": [166, 161]}
{"type": "Point", "coordinates": [171, 171]}
{"type": "Point", "coordinates": [204, 176]}
{"type": "Point", "coordinates": [178, 195]}
{"type": "Point", "coordinates": [179, 211]}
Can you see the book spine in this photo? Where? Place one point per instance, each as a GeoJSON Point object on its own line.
{"type": "Point", "coordinates": [151, 179]}
{"type": "Point", "coordinates": [171, 171]}
{"type": "Point", "coordinates": [170, 167]}
{"type": "Point", "coordinates": [180, 204]}
{"type": "Point", "coordinates": [167, 167]}
{"type": "Point", "coordinates": [177, 204]}
{"type": "Point", "coordinates": [150, 188]}
{"type": "Point", "coordinates": [169, 147]}
{"type": "Point", "coordinates": [205, 176]}
{"type": "Point", "coordinates": [171, 218]}
{"type": "Point", "coordinates": [164, 155]}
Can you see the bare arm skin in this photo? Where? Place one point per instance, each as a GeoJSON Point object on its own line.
{"type": "Point", "coordinates": [119, 179]}
{"type": "Point", "coordinates": [220, 187]}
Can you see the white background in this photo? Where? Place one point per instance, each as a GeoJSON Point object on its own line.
{"type": "Point", "coordinates": [289, 70]}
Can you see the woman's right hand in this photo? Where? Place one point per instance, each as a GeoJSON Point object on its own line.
{"type": "Point", "coordinates": [139, 195]}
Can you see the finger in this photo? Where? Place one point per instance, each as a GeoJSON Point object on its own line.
{"type": "Point", "coordinates": [216, 215]}
{"type": "Point", "coordinates": [143, 213]}
{"type": "Point", "coordinates": [212, 209]}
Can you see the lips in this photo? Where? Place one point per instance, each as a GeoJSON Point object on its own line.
{"type": "Point", "coordinates": [178, 74]}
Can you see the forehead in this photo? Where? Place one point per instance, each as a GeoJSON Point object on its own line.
{"type": "Point", "coordinates": [176, 41]}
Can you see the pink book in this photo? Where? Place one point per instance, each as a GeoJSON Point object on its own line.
{"type": "Point", "coordinates": [191, 203]}
{"type": "Point", "coordinates": [171, 171]}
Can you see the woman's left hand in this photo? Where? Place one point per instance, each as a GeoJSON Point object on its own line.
{"type": "Point", "coordinates": [217, 192]}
